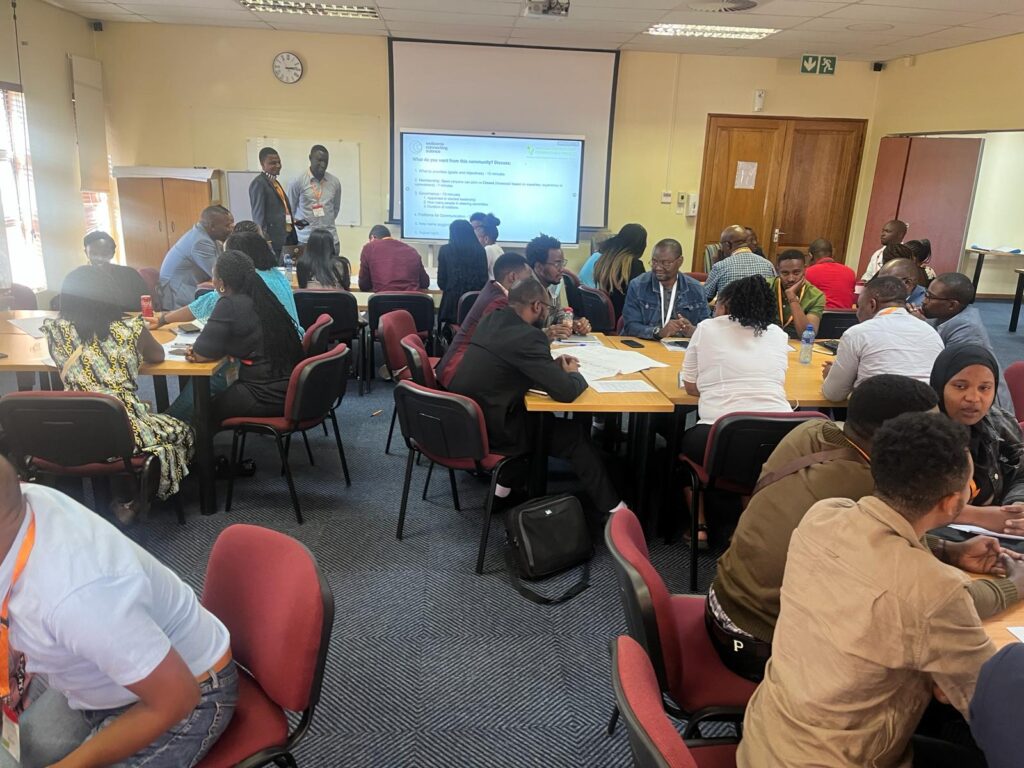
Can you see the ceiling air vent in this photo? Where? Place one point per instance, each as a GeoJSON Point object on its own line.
{"type": "Point", "coordinates": [721, 6]}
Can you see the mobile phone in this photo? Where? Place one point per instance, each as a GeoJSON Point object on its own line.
{"type": "Point", "coordinates": [632, 344]}
{"type": "Point", "coordinates": [188, 328]}
{"type": "Point", "coordinates": [677, 344]}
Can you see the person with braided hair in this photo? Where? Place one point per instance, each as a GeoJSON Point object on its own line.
{"type": "Point", "coordinates": [249, 324]}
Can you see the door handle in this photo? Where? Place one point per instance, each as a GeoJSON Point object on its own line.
{"type": "Point", "coordinates": [775, 235]}
{"type": "Point", "coordinates": [159, 226]}
{"type": "Point", "coordinates": [172, 225]}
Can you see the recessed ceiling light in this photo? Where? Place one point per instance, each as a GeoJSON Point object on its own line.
{"type": "Point", "coordinates": [870, 27]}
{"type": "Point", "coordinates": [711, 30]}
{"type": "Point", "coordinates": [312, 9]}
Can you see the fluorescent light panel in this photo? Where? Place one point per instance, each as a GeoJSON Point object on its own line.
{"type": "Point", "coordinates": [312, 9]}
{"type": "Point", "coordinates": [710, 30]}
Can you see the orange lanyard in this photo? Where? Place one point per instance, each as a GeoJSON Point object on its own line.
{"type": "Point", "coordinates": [318, 189]}
{"type": "Point", "coordinates": [782, 318]}
{"type": "Point", "coordinates": [859, 450]}
{"type": "Point", "coordinates": [888, 311]}
{"type": "Point", "coordinates": [5, 640]}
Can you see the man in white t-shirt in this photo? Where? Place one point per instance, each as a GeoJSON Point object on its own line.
{"type": "Point", "coordinates": [892, 232]}
{"type": "Point", "coordinates": [886, 340]}
{"type": "Point", "coordinates": [134, 664]}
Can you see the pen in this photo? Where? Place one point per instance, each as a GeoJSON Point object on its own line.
{"type": "Point", "coordinates": [376, 413]}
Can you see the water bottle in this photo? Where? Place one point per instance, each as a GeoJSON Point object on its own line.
{"type": "Point", "coordinates": [807, 345]}
{"type": "Point", "coordinates": [568, 317]}
{"type": "Point", "coordinates": [288, 264]}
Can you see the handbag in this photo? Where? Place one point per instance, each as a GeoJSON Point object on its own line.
{"type": "Point", "coordinates": [547, 536]}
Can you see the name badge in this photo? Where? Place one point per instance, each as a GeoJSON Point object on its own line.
{"type": "Point", "coordinates": [231, 372]}
{"type": "Point", "coordinates": [10, 736]}
{"type": "Point", "coordinates": [287, 218]}
{"type": "Point", "coordinates": [318, 211]}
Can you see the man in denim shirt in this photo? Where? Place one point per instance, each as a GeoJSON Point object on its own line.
{"type": "Point", "coordinates": [664, 302]}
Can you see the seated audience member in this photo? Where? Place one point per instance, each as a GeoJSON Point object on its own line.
{"type": "Point", "coordinates": [871, 621]}
{"type": "Point", "coordinates": [509, 269]}
{"type": "Point", "coordinates": [965, 378]}
{"type": "Point", "coordinates": [949, 306]}
{"type": "Point", "coordinates": [96, 349]}
{"type": "Point", "coordinates": [909, 273]}
{"type": "Point", "coordinates": [921, 251]}
{"type": "Point", "coordinates": [127, 284]}
{"type": "Point", "coordinates": [888, 339]}
{"type": "Point", "coordinates": [798, 301]}
{"type": "Point", "coordinates": [461, 268]}
{"type": "Point", "coordinates": [249, 324]}
{"type": "Point", "coordinates": [486, 231]}
{"type": "Point", "coordinates": [257, 249]}
{"type": "Point", "coordinates": [136, 671]}
{"type": "Point", "coordinates": [247, 225]}
{"type": "Point", "coordinates": [386, 264]}
{"type": "Point", "coordinates": [995, 725]}
{"type": "Point", "coordinates": [320, 266]}
{"type": "Point", "coordinates": [752, 242]}
{"type": "Point", "coordinates": [892, 232]}
{"type": "Point", "coordinates": [736, 361]}
{"type": "Point", "coordinates": [545, 257]}
{"type": "Point", "coordinates": [737, 261]}
{"type": "Point", "coordinates": [664, 302]}
{"type": "Point", "coordinates": [619, 262]}
{"type": "Point", "coordinates": [190, 260]}
{"type": "Point", "coordinates": [509, 355]}
{"type": "Point", "coordinates": [835, 280]}
{"type": "Point", "coordinates": [816, 461]}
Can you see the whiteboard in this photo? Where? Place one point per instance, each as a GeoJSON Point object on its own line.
{"type": "Point", "coordinates": [294, 153]}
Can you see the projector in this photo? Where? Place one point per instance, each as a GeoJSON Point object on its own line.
{"type": "Point", "coordinates": [558, 9]}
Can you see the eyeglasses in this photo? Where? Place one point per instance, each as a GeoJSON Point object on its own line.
{"type": "Point", "coordinates": [663, 264]}
{"type": "Point", "coordinates": [557, 264]}
{"type": "Point", "coordinates": [932, 297]}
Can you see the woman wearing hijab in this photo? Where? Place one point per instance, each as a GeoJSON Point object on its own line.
{"type": "Point", "coordinates": [965, 377]}
{"type": "Point", "coordinates": [461, 267]}
{"type": "Point", "coordinates": [619, 262]}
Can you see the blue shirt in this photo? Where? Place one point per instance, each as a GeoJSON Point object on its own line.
{"type": "Point", "coordinates": [587, 272]}
{"type": "Point", "coordinates": [278, 284]}
{"type": "Point", "coordinates": [189, 262]}
{"type": "Point", "coordinates": [916, 297]}
{"type": "Point", "coordinates": [742, 263]}
{"type": "Point", "coordinates": [641, 313]}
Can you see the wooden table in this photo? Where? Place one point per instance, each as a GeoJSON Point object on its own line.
{"type": "Point", "coordinates": [996, 626]}
{"type": "Point", "coordinates": [20, 314]}
{"type": "Point", "coordinates": [981, 253]}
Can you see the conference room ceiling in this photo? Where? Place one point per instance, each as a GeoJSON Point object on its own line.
{"type": "Point", "coordinates": [869, 30]}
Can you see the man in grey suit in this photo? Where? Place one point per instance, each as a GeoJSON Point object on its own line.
{"type": "Point", "coordinates": [270, 206]}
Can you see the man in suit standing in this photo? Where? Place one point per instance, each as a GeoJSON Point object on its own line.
{"type": "Point", "coordinates": [509, 355]}
{"type": "Point", "coordinates": [270, 206]}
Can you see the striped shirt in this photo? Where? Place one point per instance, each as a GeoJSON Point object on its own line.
{"type": "Point", "coordinates": [742, 263]}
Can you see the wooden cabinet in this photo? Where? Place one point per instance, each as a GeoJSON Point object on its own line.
{"type": "Point", "coordinates": [155, 212]}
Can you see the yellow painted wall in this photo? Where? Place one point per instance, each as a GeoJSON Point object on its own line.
{"type": "Point", "coordinates": [51, 36]}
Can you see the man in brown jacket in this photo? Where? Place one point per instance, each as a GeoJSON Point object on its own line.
{"type": "Point", "coordinates": [872, 623]}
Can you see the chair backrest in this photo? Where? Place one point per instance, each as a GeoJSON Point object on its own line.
{"type": "Point", "coordinates": [271, 595]}
{"type": "Point", "coordinates": [419, 305]}
{"type": "Point", "coordinates": [416, 357]}
{"type": "Point", "coordinates": [341, 306]}
{"type": "Point", "coordinates": [700, 277]}
{"type": "Point", "coordinates": [315, 385]}
{"type": "Point", "coordinates": [466, 302]}
{"type": "Point", "coordinates": [834, 323]}
{"type": "Point", "coordinates": [740, 443]}
{"type": "Point", "coordinates": [653, 740]}
{"type": "Point", "coordinates": [151, 277]}
{"type": "Point", "coordinates": [710, 254]}
{"type": "Point", "coordinates": [202, 289]}
{"type": "Point", "coordinates": [67, 428]}
{"type": "Point", "coordinates": [572, 276]}
{"type": "Point", "coordinates": [598, 308]}
{"type": "Point", "coordinates": [442, 425]}
{"type": "Point", "coordinates": [23, 297]}
{"type": "Point", "coordinates": [316, 338]}
{"type": "Point", "coordinates": [1014, 374]}
{"type": "Point", "coordinates": [645, 598]}
{"type": "Point", "coordinates": [395, 326]}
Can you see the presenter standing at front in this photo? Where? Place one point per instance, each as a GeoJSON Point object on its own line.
{"type": "Point", "coordinates": [315, 196]}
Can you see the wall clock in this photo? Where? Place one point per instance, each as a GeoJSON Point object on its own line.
{"type": "Point", "coordinates": [287, 68]}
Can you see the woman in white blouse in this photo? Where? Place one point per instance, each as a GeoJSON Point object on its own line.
{"type": "Point", "coordinates": [736, 361]}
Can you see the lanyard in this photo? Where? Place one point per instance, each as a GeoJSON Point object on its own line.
{"type": "Point", "coordinates": [316, 187]}
{"type": "Point", "coordinates": [782, 318]}
{"type": "Point", "coordinates": [888, 311]}
{"type": "Point", "coordinates": [5, 640]}
{"type": "Point", "coordinates": [859, 450]}
{"type": "Point", "coordinates": [667, 315]}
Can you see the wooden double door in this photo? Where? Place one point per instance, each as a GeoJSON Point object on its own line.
{"type": "Point", "coordinates": [155, 212]}
{"type": "Point", "coordinates": [792, 180]}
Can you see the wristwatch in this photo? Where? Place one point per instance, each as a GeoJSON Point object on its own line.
{"type": "Point", "coordinates": [657, 331]}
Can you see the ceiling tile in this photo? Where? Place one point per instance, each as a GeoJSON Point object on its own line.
{"type": "Point", "coordinates": [454, 19]}
{"type": "Point", "coordinates": [892, 14]}
{"type": "Point", "coordinates": [588, 25]}
{"type": "Point", "coordinates": [486, 7]}
{"type": "Point", "coordinates": [978, 6]}
{"type": "Point", "coordinates": [1005, 24]}
{"type": "Point", "coordinates": [897, 28]}
{"type": "Point", "coordinates": [731, 20]}
{"type": "Point", "coordinates": [805, 8]}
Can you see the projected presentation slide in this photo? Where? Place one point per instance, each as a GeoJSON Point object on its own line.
{"type": "Point", "coordinates": [531, 184]}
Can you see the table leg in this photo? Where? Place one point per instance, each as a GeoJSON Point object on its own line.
{"type": "Point", "coordinates": [642, 447]}
{"type": "Point", "coordinates": [163, 400]}
{"type": "Point", "coordinates": [1015, 315]}
{"type": "Point", "coordinates": [538, 484]}
{"type": "Point", "coordinates": [204, 445]}
{"type": "Point", "coordinates": [977, 269]}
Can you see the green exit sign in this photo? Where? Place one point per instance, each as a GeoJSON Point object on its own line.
{"type": "Point", "coordinates": [812, 64]}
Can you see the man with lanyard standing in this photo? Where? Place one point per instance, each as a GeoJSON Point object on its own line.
{"type": "Point", "coordinates": [270, 206]}
{"type": "Point", "coordinates": [136, 671]}
{"type": "Point", "coordinates": [653, 309]}
{"type": "Point", "coordinates": [315, 196]}
{"type": "Point", "coordinates": [800, 303]}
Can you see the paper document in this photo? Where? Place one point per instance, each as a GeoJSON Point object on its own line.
{"type": "Point", "coordinates": [175, 348]}
{"type": "Point", "coordinates": [985, 531]}
{"type": "Point", "coordinates": [622, 386]}
{"type": "Point", "coordinates": [579, 340]}
{"type": "Point", "coordinates": [33, 326]}
{"type": "Point", "coordinates": [675, 345]}
{"type": "Point", "coordinates": [1017, 632]}
{"type": "Point", "coordinates": [601, 362]}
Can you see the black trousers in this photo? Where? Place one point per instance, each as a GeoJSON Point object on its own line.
{"type": "Point", "coordinates": [746, 656]}
{"type": "Point", "coordinates": [238, 400]}
{"type": "Point", "coordinates": [695, 441]}
{"type": "Point", "coordinates": [569, 440]}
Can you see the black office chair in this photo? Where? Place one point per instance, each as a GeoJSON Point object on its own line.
{"type": "Point", "coordinates": [340, 305]}
{"type": "Point", "coordinates": [466, 302]}
{"type": "Point", "coordinates": [419, 305]}
{"type": "Point", "coordinates": [598, 309]}
{"type": "Point", "coordinates": [834, 323]}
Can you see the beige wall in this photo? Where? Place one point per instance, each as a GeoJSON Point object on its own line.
{"type": "Point", "coordinates": [50, 35]}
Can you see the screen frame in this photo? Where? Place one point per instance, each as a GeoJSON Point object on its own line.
{"type": "Point", "coordinates": [499, 135]}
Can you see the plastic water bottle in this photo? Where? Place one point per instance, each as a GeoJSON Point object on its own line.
{"type": "Point", "coordinates": [568, 317]}
{"type": "Point", "coordinates": [288, 264]}
{"type": "Point", "coordinates": [807, 345]}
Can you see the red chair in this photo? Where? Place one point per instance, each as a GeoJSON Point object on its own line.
{"type": "Point", "coordinates": [671, 629]}
{"type": "Point", "coordinates": [598, 308]}
{"type": "Point", "coordinates": [395, 326]}
{"type": "Point", "coordinates": [572, 276]}
{"type": "Point", "coordinates": [419, 366]}
{"type": "Point", "coordinates": [1014, 374]}
{"type": "Point", "coordinates": [449, 430]}
{"type": "Point", "coordinates": [700, 277]}
{"type": "Point", "coordinates": [312, 390]}
{"type": "Point", "coordinates": [151, 277]}
{"type": "Point", "coordinates": [420, 307]}
{"type": "Point", "coordinates": [317, 336]}
{"type": "Point", "coordinates": [76, 434]}
{"type": "Point", "coordinates": [271, 595]}
{"type": "Point", "coordinates": [738, 446]}
{"type": "Point", "coordinates": [653, 738]}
